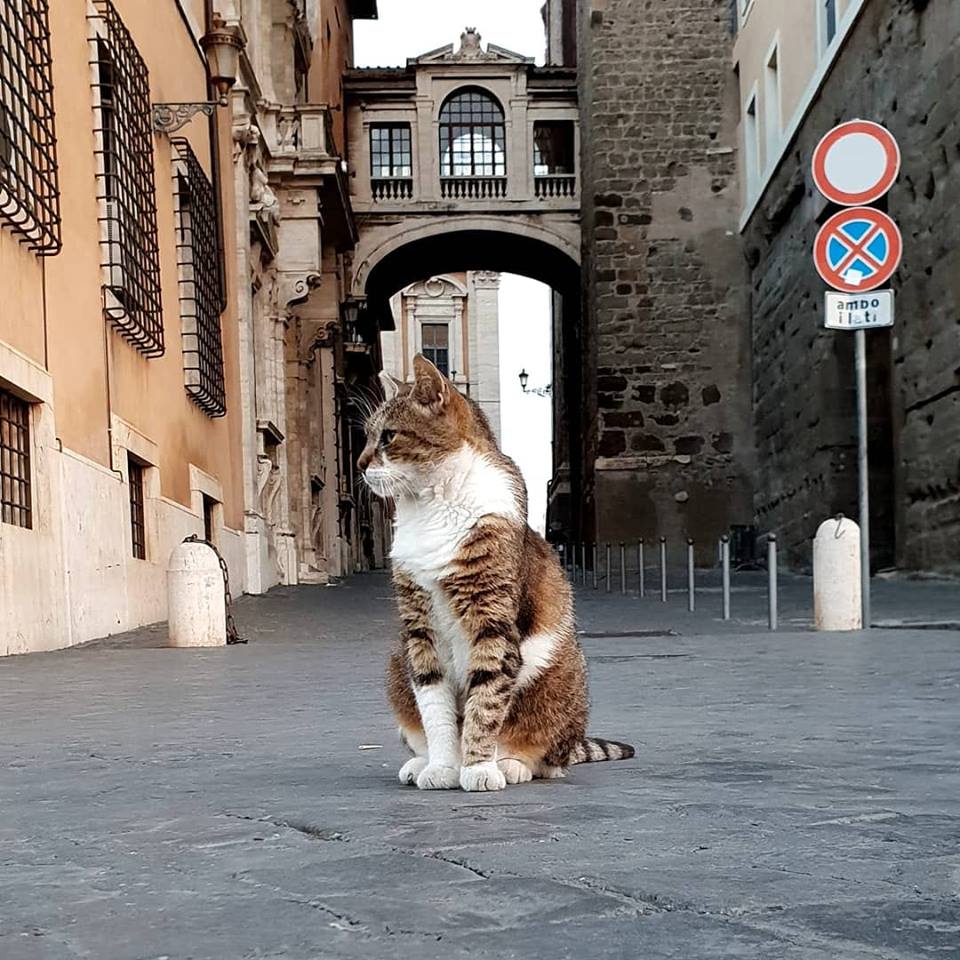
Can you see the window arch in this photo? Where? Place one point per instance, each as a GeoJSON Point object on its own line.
{"type": "Point", "coordinates": [472, 135]}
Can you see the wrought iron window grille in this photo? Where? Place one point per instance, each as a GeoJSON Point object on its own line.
{"type": "Point", "coordinates": [15, 487]}
{"type": "Point", "coordinates": [202, 294]}
{"type": "Point", "coordinates": [29, 186]}
{"type": "Point", "coordinates": [129, 246]}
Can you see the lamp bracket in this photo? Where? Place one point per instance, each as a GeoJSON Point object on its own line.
{"type": "Point", "coordinates": [170, 117]}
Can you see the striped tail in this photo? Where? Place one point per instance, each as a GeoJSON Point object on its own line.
{"type": "Point", "coordinates": [593, 750]}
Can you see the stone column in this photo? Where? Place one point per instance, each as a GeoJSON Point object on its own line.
{"type": "Point", "coordinates": [485, 352]}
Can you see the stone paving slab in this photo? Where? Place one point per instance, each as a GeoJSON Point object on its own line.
{"type": "Point", "coordinates": [795, 795]}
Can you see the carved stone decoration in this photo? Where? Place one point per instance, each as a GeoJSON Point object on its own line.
{"type": "Point", "coordinates": [260, 193]}
{"type": "Point", "coordinates": [246, 137]}
{"type": "Point", "coordinates": [470, 48]}
{"type": "Point", "coordinates": [295, 288]}
{"type": "Point", "coordinates": [486, 278]}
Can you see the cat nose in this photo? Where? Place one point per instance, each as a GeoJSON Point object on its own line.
{"type": "Point", "coordinates": [366, 458]}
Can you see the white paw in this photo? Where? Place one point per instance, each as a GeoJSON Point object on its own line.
{"type": "Point", "coordinates": [437, 777]}
{"type": "Point", "coordinates": [515, 770]}
{"type": "Point", "coordinates": [412, 769]}
{"type": "Point", "coordinates": [551, 773]}
{"type": "Point", "coordinates": [482, 776]}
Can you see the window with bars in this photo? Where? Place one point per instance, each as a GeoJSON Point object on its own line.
{"type": "Point", "coordinates": [472, 136]}
{"type": "Point", "coordinates": [15, 489]}
{"type": "Point", "coordinates": [436, 345]}
{"type": "Point", "coordinates": [29, 188]}
{"type": "Point", "coordinates": [201, 282]}
{"type": "Point", "coordinates": [138, 524]}
{"type": "Point", "coordinates": [130, 253]}
{"type": "Point", "coordinates": [390, 151]}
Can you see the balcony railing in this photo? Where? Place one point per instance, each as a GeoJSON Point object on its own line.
{"type": "Point", "coordinates": [555, 185]}
{"type": "Point", "coordinates": [473, 188]}
{"type": "Point", "coordinates": [391, 188]}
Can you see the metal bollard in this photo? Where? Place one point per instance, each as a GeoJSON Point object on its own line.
{"type": "Point", "coordinates": [643, 585]}
{"type": "Point", "coordinates": [691, 581]}
{"type": "Point", "coordinates": [593, 553]}
{"type": "Point", "coordinates": [573, 564]}
{"type": "Point", "coordinates": [623, 567]}
{"type": "Point", "coordinates": [583, 564]}
{"type": "Point", "coordinates": [663, 569]}
{"type": "Point", "coordinates": [608, 569]}
{"type": "Point", "coordinates": [772, 598]}
{"type": "Point", "coordinates": [725, 573]}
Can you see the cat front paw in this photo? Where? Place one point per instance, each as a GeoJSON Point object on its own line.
{"type": "Point", "coordinates": [435, 776]}
{"type": "Point", "coordinates": [482, 776]}
{"type": "Point", "coordinates": [515, 771]}
{"type": "Point", "coordinates": [412, 769]}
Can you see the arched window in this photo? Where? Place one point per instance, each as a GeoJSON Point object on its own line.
{"type": "Point", "coordinates": [472, 136]}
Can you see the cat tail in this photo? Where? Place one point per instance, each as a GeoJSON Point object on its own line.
{"type": "Point", "coordinates": [593, 750]}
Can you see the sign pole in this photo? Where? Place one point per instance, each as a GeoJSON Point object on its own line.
{"type": "Point", "coordinates": [863, 471]}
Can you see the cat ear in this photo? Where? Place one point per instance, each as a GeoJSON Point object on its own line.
{"type": "Point", "coordinates": [391, 386]}
{"type": "Point", "coordinates": [431, 387]}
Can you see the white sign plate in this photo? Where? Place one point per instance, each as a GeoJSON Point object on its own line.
{"type": "Point", "coordinates": [859, 311]}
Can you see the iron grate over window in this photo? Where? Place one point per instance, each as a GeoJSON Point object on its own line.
{"type": "Point", "coordinates": [138, 524]}
{"type": "Point", "coordinates": [29, 189]}
{"type": "Point", "coordinates": [130, 253]}
{"type": "Point", "coordinates": [201, 282]}
{"type": "Point", "coordinates": [15, 461]}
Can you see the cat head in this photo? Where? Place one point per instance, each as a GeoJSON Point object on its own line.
{"type": "Point", "coordinates": [417, 430]}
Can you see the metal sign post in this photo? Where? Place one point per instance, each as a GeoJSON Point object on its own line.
{"type": "Point", "coordinates": [856, 251]}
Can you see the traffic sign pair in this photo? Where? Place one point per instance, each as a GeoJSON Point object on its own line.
{"type": "Point", "coordinates": [857, 249]}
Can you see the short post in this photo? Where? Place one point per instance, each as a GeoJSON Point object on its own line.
{"type": "Point", "coordinates": [837, 600]}
{"type": "Point", "coordinates": [574, 573]}
{"type": "Point", "coordinates": [691, 578]}
{"type": "Point", "coordinates": [583, 564]}
{"type": "Point", "coordinates": [772, 598]}
{"type": "Point", "coordinates": [595, 562]}
{"type": "Point", "coordinates": [195, 597]}
{"type": "Point", "coordinates": [608, 578]}
{"type": "Point", "coordinates": [725, 574]}
{"type": "Point", "coordinates": [623, 567]}
{"type": "Point", "coordinates": [642, 574]}
{"type": "Point", "coordinates": [663, 569]}
{"type": "Point", "coordinates": [565, 555]}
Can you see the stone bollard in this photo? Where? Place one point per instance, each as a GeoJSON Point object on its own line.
{"type": "Point", "coordinates": [197, 608]}
{"type": "Point", "coordinates": [836, 576]}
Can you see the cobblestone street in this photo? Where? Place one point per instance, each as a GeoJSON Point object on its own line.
{"type": "Point", "coordinates": [794, 796]}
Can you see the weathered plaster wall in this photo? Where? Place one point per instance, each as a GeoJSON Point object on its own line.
{"type": "Point", "coordinates": [900, 67]}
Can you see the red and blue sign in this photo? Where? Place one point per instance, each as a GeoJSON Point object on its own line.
{"type": "Point", "coordinates": [857, 250]}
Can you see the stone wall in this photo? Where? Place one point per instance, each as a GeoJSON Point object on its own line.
{"type": "Point", "coordinates": [668, 423]}
{"type": "Point", "coordinates": [900, 67]}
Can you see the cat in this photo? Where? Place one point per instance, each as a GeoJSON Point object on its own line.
{"type": "Point", "coordinates": [488, 681]}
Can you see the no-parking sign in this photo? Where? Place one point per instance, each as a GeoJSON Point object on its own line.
{"type": "Point", "coordinates": [857, 250]}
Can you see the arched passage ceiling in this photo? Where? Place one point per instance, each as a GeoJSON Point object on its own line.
{"type": "Point", "coordinates": [458, 250]}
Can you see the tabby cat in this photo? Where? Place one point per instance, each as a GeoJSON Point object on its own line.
{"type": "Point", "coordinates": [488, 682]}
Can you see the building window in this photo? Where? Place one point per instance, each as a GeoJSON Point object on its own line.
{"type": "Point", "coordinates": [472, 136]}
{"type": "Point", "coordinates": [436, 345]}
{"type": "Point", "coordinates": [553, 148]}
{"type": "Point", "coordinates": [201, 282]}
{"type": "Point", "coordinates": [390, 150]}
{"type": "Point", "coordinates": [211, 520]}
{"type": "Point", "coordinates": [29, 190]}
{"type": "Point", "coordinates": [828, 13]}
{"type": "Point", "coordinates": [130, 254]}
{"type": "Point", "coordinates": [138, 525]}
{"type": "Point", "coordinates": [751, 148]}
{"type": "Point", "coordinates": [15, 460]}
{"type": "Point", "coordinates": [771, 102]}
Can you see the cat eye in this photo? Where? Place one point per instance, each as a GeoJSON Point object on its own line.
{"type": "Point", "coordinates": [387, 436]}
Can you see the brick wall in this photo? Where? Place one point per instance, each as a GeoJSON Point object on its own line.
{"type": "Point", "coordinates": [667, 423]}
{"type": "Point", "coordinates": [900, 67]}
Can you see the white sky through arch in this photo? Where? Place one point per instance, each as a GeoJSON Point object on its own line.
{"type": "Point", "coordinates": [408, 28]}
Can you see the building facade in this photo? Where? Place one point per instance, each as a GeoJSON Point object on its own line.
{"type": "Point", "coordinates": [666, 437]}
{"type": "Point", "coordinates": [802, 68]}
{"type": "Point", "coordinates": [174, 308]}
{"type": "Point", "coordinates": [454, 321]}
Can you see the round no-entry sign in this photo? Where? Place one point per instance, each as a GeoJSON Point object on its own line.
{"type": "Point", "coordinates": [857, 250]}
{"type": "Point", "coordinates": [856, 163]}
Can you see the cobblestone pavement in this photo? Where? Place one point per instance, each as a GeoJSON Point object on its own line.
{"type": "Point", "coordinates": [795, 795]}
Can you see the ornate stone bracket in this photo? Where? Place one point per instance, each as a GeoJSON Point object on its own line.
{"type": "Point", "coordinates": [296, 288]}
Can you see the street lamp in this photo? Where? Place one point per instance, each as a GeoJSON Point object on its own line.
{"type": "Point", "coordinates": [539, 391]}
{"type": "Point", "coordinates": [222, 45]}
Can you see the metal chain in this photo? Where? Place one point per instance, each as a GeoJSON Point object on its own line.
{"type": "Point", "coordinates": [233, 635]}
